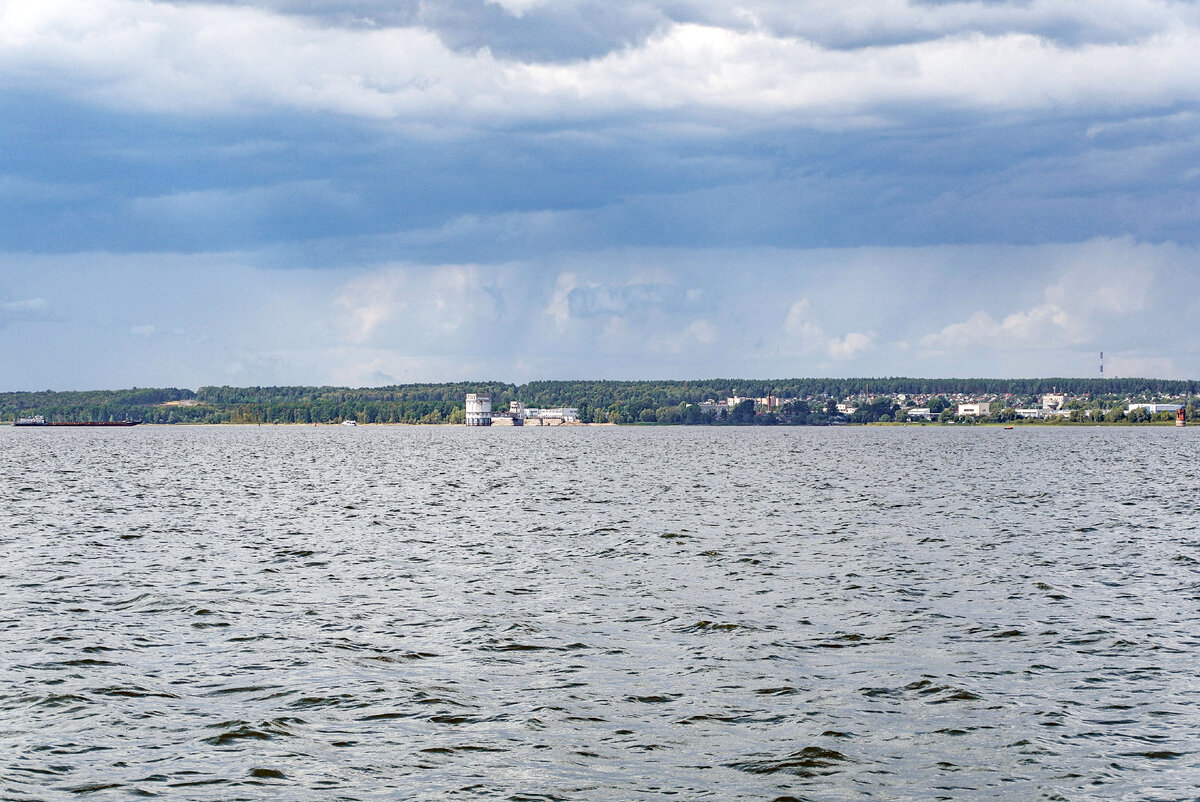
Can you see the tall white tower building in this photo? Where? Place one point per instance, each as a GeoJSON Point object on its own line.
{"type": "Point", "coordinates": [479, 410]}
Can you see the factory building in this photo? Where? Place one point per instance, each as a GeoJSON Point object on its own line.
{"type": "Point", "coordinates": [552, 417]}
{"type": "Point", "coordinates": [479, 413]}
{"type": "Point", "coordinates": [514, 417]}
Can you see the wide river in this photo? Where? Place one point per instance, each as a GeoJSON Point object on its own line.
{"type": "Point", "coordinates": [600, 613]}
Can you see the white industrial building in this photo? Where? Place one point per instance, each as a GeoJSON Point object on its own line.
{"type": "Point", "coordinates": [978, 408]}
{"type": "Point", "coordinates": [479, 410]}
{"type": "Point", "coordinates": [1154, 409]}
{"type": "Point", "coordinates": [479, 413]}
{"type": "Point", "coordinates": [557, 414]}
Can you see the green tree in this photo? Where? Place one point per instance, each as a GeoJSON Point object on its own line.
{"type": "Point", "coordinates": [743, 413]}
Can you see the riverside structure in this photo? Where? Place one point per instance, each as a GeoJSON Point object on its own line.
{"type": "Point", "coordinates": [479, 410]}
{"type": "Point", "coordinates": [479, 413]}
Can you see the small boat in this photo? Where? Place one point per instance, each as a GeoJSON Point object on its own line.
{"type": "Point", "coordinates": [1007, 427]}
{"type": "Point", "coordinates": [349, 423]}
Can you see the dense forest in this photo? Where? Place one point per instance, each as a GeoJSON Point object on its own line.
{"type": "Point", "coordinates": [597, 401]}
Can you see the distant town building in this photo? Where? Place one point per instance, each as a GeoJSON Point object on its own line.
{"type": "Point", "coordinates": [1038, 414]}
{"type": "Point", "coordinates": [1054, 401]}
{"type": "Point", "coordinates": [978, 408]}
{"type": "Point", "coordinates": [1154, 409]}
{"type": "Point", "coordinates": [548, 417]}
{"type": "Point", "coordinates": [479, 410]}
{"type": "Point", "coordinates": [920, 413]}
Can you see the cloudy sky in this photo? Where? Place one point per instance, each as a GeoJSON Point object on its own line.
{"type": "Point", "coordinates": [369, 192]}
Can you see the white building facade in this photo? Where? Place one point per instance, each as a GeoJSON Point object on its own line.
{"type": "Point", "coordinates": [1154, 409]}
{"type": "Point", "coordinates": [479, 410]}
{"type": "Point", "coordinates": [978, 408]}
{"type": "Point", "coordinates": [564, 414]}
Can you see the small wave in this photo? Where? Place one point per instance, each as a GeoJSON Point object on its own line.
{"type": "Point", "coordinates": [323, 701]}
{"type": "Point", "coordinates": [499, 646]}
{"type": "Point", "coordinates": [452, 750]}
{"type": "Point", "coordinates": [399, 657]}
{"type": "Point", "coordinates": [713, 626]}
{"type": "Point", "coordinates": [132, 692]}
{"type": "Point", "coordinates": [654, 699]}
{"type": "Point", "coordinates": [717, 717]}
{"type": "Point", "coordinates": [454, 719]}
{"type": "Point", "coordinates": [850, 640]}
{"type": "Point", "coordinates": [243, 730]}
{"type": "Point", "coordinates": [91, 788]}
{"type": "Point", "coordinates": [385, 716]}
{"type": "Point", "coordinates": [811, 761]}
{"type": "Point", "coordinates": [230, 691]}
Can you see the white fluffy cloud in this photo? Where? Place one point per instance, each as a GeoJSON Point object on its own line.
{"type": "Point", "coordinates": [23, 309]}
{"type": "Point", "coordinates": [807, 336]}
{"type": "Point", "coordinates": [794, 313]}
{"type": "Point", "coordinates": [417, 306]}
{"type": "Point", "coordinates": [851, 345]}
{"type": "Point", "coordinates": [1102, 283]}
{"type": "Point", "coordinates": [761, 62]}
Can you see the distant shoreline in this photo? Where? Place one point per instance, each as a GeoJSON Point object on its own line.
{"type": "Point", "coordinates": [815, 402]}
{"type": "Point", "coordinates": [876, 424]}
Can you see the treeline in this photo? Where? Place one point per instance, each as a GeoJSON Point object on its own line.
{"type": "Point", "coordinates": [597, 401]}
{"type": "Point", "coordinates": [604, 393]}
{"type": "Point", "coordinates": [449, 392]}
{"type": "Point", "coordinates": [89, 405]}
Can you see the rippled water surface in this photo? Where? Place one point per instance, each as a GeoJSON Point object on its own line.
{"type": "Point", "coordinates": [599, 613]}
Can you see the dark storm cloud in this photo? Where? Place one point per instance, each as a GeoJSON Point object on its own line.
{"type": "Point", "coordinates": [546, 32]}
{"type": "Point", "coordinates": [556, 30]}
{"type": "Point", "coordinates": [346, 191]}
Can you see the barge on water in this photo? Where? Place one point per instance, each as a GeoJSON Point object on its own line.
{"type": "Point", "coordinates": [40, 420]}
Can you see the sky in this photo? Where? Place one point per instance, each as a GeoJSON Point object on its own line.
{"type": "Point", "coordinates": [373, 192]}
